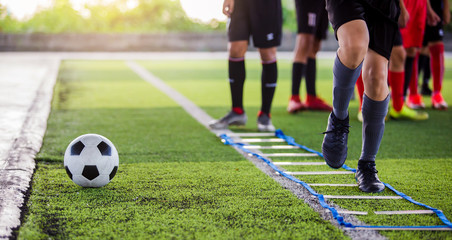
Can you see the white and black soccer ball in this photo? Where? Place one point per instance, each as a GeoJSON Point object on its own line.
{"type": "Point", "coordinates": [91, 160]}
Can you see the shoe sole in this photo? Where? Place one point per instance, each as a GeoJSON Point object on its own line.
{"type": "Point", "coordinates": [266, 129]}
{"type": "Point", "coordinates": [237, 124]}
{"type": "Point", "coordinates": [296, 110]}
{"type": "Point", "coordinates": [442, 107]}
{"type": "Point", "coordinates": [407, 118]}
{"type": "Point", "coordinates": [226, 127]}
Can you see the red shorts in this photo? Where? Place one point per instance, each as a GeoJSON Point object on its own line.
{"type": "Point", "coordinates": [413, 33]}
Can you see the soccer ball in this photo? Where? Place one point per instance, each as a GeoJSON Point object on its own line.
{"type": "Point", "coordinates": [91, 160]}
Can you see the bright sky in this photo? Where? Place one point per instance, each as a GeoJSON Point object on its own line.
{"type": "Point", "coordinates": [203, 10]}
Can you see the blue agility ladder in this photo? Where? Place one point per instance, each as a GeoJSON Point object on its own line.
{"type": "Point", "coordinates": [227, 140]}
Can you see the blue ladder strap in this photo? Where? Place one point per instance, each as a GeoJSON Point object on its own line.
{"type": "Point", "coordinates": [397, 227]}
{"type": "Point", "coordinates": [228, 141]}
{"type": "Point", "coordinates": [279, 133]}
{"type": "Point", "coordinates": [438, 212]}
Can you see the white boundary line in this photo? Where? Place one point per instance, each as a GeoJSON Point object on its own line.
{"type": "Point", "coordinates": [196, 112]}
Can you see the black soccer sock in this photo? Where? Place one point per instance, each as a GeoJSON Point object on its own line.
{"type": "Point", "coordinates": [298, 71]}
{"type": "Point", "coordinates": [344, 80]}
{"type": "Point", "coordinates": [374, 113]}
{"type": "Point", "coordinates": [311, 76]}
{"type": "Point", "coordinates": [427, 71]}
{"type": "Point", "coordinates": [408, 72]}
{"type": "Point", "coordinates": [420, 63]}
{"type": "Point", "coordinates": [237, 76]}
{"type": "Point", "coordinates": [268, 78]}
{"type": "Point", "coordinates": [424, 68]}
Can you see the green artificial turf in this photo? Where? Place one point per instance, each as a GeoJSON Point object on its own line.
{"type": "Point", "coordinates": [414, 157]}
{"type": "Point", "coordinates": [175, 179]}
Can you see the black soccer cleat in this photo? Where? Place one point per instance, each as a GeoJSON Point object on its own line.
{"type": "Point", "coordinates": [367, 179]}
{"type": "Point", "coordinates": [334, 146]}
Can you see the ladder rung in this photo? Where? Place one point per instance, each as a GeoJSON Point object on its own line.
{"type": "Point", "coordinates": [270, 147]}
{"type": "Point", "coordinates": [359, 197]}
{"type": "Point", "coordinates": [268, 134]}
{"type": "Point", "coordinates": [405, 212]}
{"type": "Point", "coordinates": [332, 185]}
{"type": "Point", "coordinates": [349, 212]}
{"type": "Point", "coordinates": [320, 173]}
{"type": "Point", "coordinates": [290, 155]}
{"type": "Point", "coordinates": [403, 228]}
{"type": "Point", "coordinates": [250, 140]}
{"type": "Point", "coordinates": [298, 163]}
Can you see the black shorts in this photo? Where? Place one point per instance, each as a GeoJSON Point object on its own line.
{"type": "Point", "coordinates": [398, 39]}
{"type": "Point", "coordinates": [381, 17]}
{"type": "Point", "coordinates": [435, 33]}
{"type": "Point", "coordinates": [312, 17]}
{"type": "Point", "coordinates": [261, 19]}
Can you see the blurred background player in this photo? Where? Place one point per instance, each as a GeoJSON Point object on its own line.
{"type": "Point", "coordinates": [263, 21]}
{"type": "Point", "coordinates": [312, 22]}
{"type": "Point", "coordinates": [365, 31]}
{"type": "Point", "coordinates": [433, 39]}
{"type": "Point", "coordinates": [423, 68]}
{"type": "Point", "coordinates": [396, 77]}
{"type": "Point", "coordinates": [419, 11]}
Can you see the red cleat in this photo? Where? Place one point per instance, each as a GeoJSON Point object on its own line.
{"type": "Point", "coordinates": [438, 101]}
{"type": "Point", "coordinates": [415, 101]}
{"type": "Point", "coordinates": [295, 105]}
{"type": "Point", "coordinates": [316, 103]}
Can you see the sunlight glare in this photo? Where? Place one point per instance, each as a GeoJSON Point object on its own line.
{"type": "Point", "coordinates": [204, 10]}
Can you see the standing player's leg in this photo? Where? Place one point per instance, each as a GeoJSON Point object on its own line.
{"type": "Point", "coordinates": [266, 26]}
{"type": "Point", "coordinates": [238, 35]}
{"type": "Point", "coordinates": [313, 102]}
{"type": "Point", "coordinates": [424, 68]}
{"type": "Point", "coordinates": [412, 36]}
{"type": "Point", "coordinates": [434, 35]}
{"type": "Point", "coordinates": [237, 74]}
{"type": "Point", "coordinates": [437, 66]}
{"type": "Point", "coordinates": [396, 79]}
{"type": "Point", "coordinates": [268, 78]}
{"type": "Point", "coordinates": [302, 47]}
{"type": "Point", "coordinates": [307, 16]}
